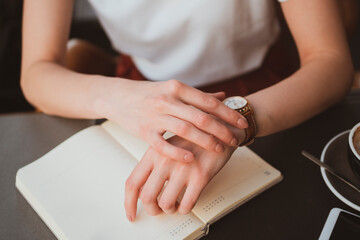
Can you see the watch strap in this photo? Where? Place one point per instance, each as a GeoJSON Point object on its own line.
{"type": "Point", "coordinates": [250, 131]}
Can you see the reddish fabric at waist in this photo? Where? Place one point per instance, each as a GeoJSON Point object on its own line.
{"type": "Point", "coordinates": [127, 69]}
{"type": "Point", "coordinates": [278, 64]}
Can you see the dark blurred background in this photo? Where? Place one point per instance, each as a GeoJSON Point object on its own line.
{"type": "Point", "coordinates": [84, 26]}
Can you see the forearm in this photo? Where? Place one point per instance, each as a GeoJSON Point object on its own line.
{"type": "Point", "coordinates": [45, 82]}
{"type": "Point", "coordinates": [320, 82]}
{"type": "Point", "coordinates": [58, 91]}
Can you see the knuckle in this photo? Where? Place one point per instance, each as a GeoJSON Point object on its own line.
{"type": "Point", "coordinates": [211, 102]}
{"type": "Point", "coordinates": [146, 198]}
{"type": "Point", "coordinates": [184, 128]}
{"type": "Point", "coordinates": [174, 86]}
{"type": "Point", "coordinates": [202, 119]}
{"type": "Point", "coordinates": [165, 204]}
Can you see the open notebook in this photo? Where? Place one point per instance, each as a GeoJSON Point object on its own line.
{"type": "Point", "coordinates": [78, 189]}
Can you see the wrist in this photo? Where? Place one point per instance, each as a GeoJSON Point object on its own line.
{"type": "Point", "coordinates": [242, 105]}
{"type": "Point", "coordinates": [107, 92]}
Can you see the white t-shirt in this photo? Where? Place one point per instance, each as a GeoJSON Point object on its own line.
{"type": "Point", "coordinates": [194, 41]}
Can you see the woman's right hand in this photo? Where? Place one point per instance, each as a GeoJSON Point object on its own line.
{"type": "Point", "coordinates": [149, 109]}
{"type": "Point", "coordinates": [146, 109]}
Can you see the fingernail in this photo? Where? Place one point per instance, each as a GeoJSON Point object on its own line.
{"type": "Point", "coordinates": [242, 122]}
{"type": "Point", "coordinates": [188, 157]}
{"type": "Point", "coordinates": [129, 217]}
{"type": "Point", "coordinates": [234, 142]}
{"type": "Point", "coordinates": [219, 148]}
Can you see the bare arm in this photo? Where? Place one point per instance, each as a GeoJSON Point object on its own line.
{"type": "Point", "coordinates": [325, 74]}
{"type": "Point", "coordinates": [45, 82]}
{"type": "Point", "coordinates": [324, 77]}
{"type": "Point", "coordinates": [146, 109]}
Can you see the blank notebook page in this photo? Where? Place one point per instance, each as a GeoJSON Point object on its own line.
{"type": "Point", "coordinates": [78, 190]}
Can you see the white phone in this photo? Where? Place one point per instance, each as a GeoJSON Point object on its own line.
{"type": "Point", "coordinates": [341, 225]}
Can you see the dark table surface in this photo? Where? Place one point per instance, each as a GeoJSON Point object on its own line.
{"type": "Point", "coordinates": [296, 208]}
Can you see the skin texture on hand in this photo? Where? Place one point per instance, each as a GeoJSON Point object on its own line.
{"type": "Point", "coordinates": [153, 108]}
{"type": "Point", "coordinates": [146, 109]}
{"type": "Point", "coordinates": [147, 181]}
{"type": "Point", "coordinates": [320, 40]}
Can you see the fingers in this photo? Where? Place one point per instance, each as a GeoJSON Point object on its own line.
{"type": "Point", "coordinates": [152, 189]}
{"type": "Point", "coordinates": [203, 121]}
{"type": "Point", "coordinates": [189, 132]}
{"type": "Point", "coordinates": [168, 198]}
{"type": "Point", "coordinates": [190, 197]}
{"type": "Point", "coordinates": [163, 147]}
{"type": "Point", "coordinates": [132, 187]}
{"type": "Point", "coordinates": [207, 103]}
{"type": "Point", "coordinates": [219, 95]}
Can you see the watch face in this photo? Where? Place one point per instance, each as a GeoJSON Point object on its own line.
{"type": "Point", "coordinates": [235, 102]}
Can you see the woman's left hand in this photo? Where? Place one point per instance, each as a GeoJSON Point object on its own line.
{"type": "Point", "coordinates": [149, 176]}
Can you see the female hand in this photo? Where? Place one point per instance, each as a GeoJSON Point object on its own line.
{"type": "Point", "coordinates": [149, 109]}
{"type": "Point", "coordinates": [149, 176]}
